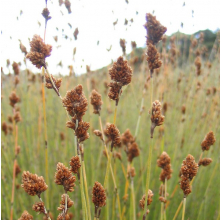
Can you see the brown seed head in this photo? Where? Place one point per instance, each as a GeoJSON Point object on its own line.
{"type": "Point", "coordinates": [16, 82]}
{"type": "Point", "coordinates": [13, 99]}
{"type": "Point", "coordinates": [149, 200]}
{"type": "Point", "coordinates": [57, 82]}
{"type": "Point", "coordinates": [33, 184]}
{"type": "Point", "coordinates": [76, 32]}
{"type": "Point", "coordinates": [131, 172]}
{"type": "Point", "coordinates": [5, 128]}
{"type": "Point", "coordinates": [23, 49]}
{"type": "Point", "coordinates": [26, 216]}
{"type": "Point", "coordinates": [164, 163]}
{"type": "Point", "coordinates": [98, 195]}
{"type": "Point", "coordinates": [70, 203]}
{"type": "Point", "coordinates": [68, 5]}
{"type": "Point", "coordinates": [17, 117]}
{"type": "Point", "coordinates": [127, 138]}
{"type": "Point", "coordinates": [17, 169]}
{"type": "Point", "coordinates": [39, 207]}
{"type": "Point", "coordinates": [61, 216]}
{"type": "Point", "coordinates": [120, 72]}
{"type": "Point", "coordinates": [96, 101]}
{"type": "Point", "coordinates": [115, 91]}
{"type": "Point", "coordinates": [45, 13]}
{"type": "Point", "coordinates": [15, 67]}
{"type": "Point", "coordinates": [155, 30]}
{"type": "Point", "coordinates": [98, 134]}
{"type": "Point", "coordinates": [205, 162]}
{"type": "Point", "coordinates": [208, 141]}
{"type": "Point", "coordinates": [63, 176]}
{"type": "Point", "coordinates": [75, 164]}
{"type": "Point", "coordinates": [117, 155]}
{"type": "Point", "coordinates": [39, 51]}
{"type": "Point", "coordinates": [123, 45]}
{"type": "Point", "coordinates": [113, 133]}
{"type": "Point", "coordinates": [62, 136]}
{"type": "Point", "coordinates": [133, 151]}
{"type": "Point", "coordinates": [75, 102]}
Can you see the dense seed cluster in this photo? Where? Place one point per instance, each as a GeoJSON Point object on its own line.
{"type": "Point", "coordinates": [208, 141]}
{"type": "Point", "coordinates": [48, 83]}
{"type": "Point", "coordinates": [98, 195]}
{"type": "Point", "coordinates": [96, 101]}
{"type": "Point", "coordinates": [113, 133]}
{"type": "Point", "coordinates": [26, 216]}
{"type": "Point", "coordinates": [39, 207]}
{"type": "Point", "coordinates": [149, 200]}
{"type": "Point", "coordinates": [205, 162]}
{"type": "Point", "coordinates": [70, 203]}
{"type": "Point", "coordinates": [75, 164]}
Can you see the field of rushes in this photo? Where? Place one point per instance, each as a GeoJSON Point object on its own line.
{"type": "Point", "coordinates": [201, 116]}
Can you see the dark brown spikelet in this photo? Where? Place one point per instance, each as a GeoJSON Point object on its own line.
{"type": "Point", "coordinates": [23, 49]}
{"type": "Point", "coordinates": [156, 118]}
{"type": "Point", "coordinates": [123, 45]}
{"type": "Point", "coordinates": [64, 177]}
{"type": "Point", "coordinates": [45, 13]}
{"type": "Point", "coordinates": [96, 102]}
{"type": "Point", "coordinates": [17, 169]}
{"type": "Point", "coordinates": [57, 82]}
{"type": "Point", "coordinates": [81, 131]}
{"type": "Point", "coordinates": [98, 195]}
{"type": "Point", "coordinates": [153, 58]}
{"type": "Point", "coordinates": [33, 184]}
{"type": "Point", "coordinates": [17, 117]}
{"type": "Point", "coordinates": [39, 207]}
{"type": "Point", "coordinates": [133, 151]}
{"type": "Point", "coordinates": [76, 32]}
{"type": "Point", "coordinates": [75, 102]}
{"type": "Point", "coordinates": [127, 138]}
{"type": "Point", "coordinates": [155, 30]}
{"type": "Point", "coordinates": [149, 200]}
{"type": "Point", "coordinates": [13, 98]}
{"type": "Point", "coordinates": [98, 134]}
{"type": "Point", "coordinates": [114, 134]}
{"type": "Point", "coordinates": [115, 91]}
{"type": "Point", "coordinates": [70, 203]}
{"type": "Point", "coordinates": [5, 128]}
{"type": "Point", "coordinates": [16, 81]}
{"type": "Point", "coordinates": [205, 162]}
{"type": "Point", "coordinates": [26, 216]}
{"type": "Point", "coordinates": [208, 141]}
{"type": "Point", "coordinates": [39, 51]}
{"type": "Point", "coordinates": [61, 216]}
{"type": "Point", "coordinates": [15, 67]}
{"type": "Point", "coordinates": [121, 72]}
{"type": "Point", "coordinates": [131, 172]}
{"type": "Point", "coordinates": [188, 170]}
{"type": "Point", "coordinates": [62, 136]}
{"type": "Point", "coordinates": [75, 164]}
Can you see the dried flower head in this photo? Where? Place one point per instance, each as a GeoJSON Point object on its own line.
{"type": "Point", "coordinates": [149, 200]}
{"type": "Point", "coordinates": [98, 195]}
{"type": "Point", "coordinates": [120, 72]}
{"type": "Point", "coordinates": [75, 102]}
{"type": "Point", "coordinates": [45, 13]}
{"type": "Point", "coordinates": [39, 207]}
{"type": "Point", "coordinates": [13, 99]}
{"type": "Point", "coordinates": [133, 151]}
{"type": "Point", "coordinates": [68, 5]}
{"type": "Point", "coordinates": [156, 118]}
{"type": "Point", "coordinates": [63, 176]}
{"type": "Point", "coordinates": [16, 82]}
{"type": "Point", "coordinates": [62, 136]}
{"type": "Point", "coordinates": [5, 128]}
{"type": "Point", "coordinates": [81, 131]}
{"type": "Point", "coordinates": [197, 63]}
{"type": "Point", "coordinates": [127, 138]}
{"type": "Point", "coordinates": [17, 169]}
{"type": "Point", "coordinates": [17, 117]}
{"type": "Point", "coordinates": [33, 184]}
{"type": "Point", "coordinates": [15, 67]}
{"type": "Point", "coordinates": [76, 32]}
{"type": "Point", "coordinates": [155, 30]}
{"type": "Point", "coordinates": [62, 217]}
{"type": "Point", "coordinates": [98, 134]}
{"type": "Point", "coordinates": [96, 101]}
{"type": "Point", "coordinates": [75, 164]}
{"type": "Point", "coordinates": [113, 133]}
{"type": "Point", "coordinates": [115, 91]}
{"type": "Point", "coordinates": [123, 45]}
{"type": "Point", "coordinates": [131, 172]}
{"type": "Point", "coordinates": [208, 141]}
{"type": "Point", "coordinates": [26, 216]}
{"type": "Point", "coordinates": [48, 83]}
{"type": "Point", "coordinates": [70, 203]}
{"type": "Point", "coordinates": [205, 162]}
{"type": "Point", "coordinates": [39, 51]}
{"type": "Point", "coordinates": [23, 49]}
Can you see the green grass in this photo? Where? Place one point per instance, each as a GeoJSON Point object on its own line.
{"type": "Point", "coordinates": [202, 203]}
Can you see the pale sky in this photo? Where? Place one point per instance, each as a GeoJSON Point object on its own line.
{"type": "Point", "coordinates": [94, 19]}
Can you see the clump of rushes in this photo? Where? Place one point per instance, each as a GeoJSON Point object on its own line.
{"type": "Point", "coordinates": [113, 133]}
{"type": "Point", "coordinates": [64, 177]}
{"type": "Point", "coordinates": [35, 185]}
{"type": "Point", "coordinates": [96, 102]}
{"type": "Point", "coordinates": [26, 216]}
{"type": "Point", "coordinates": [149, 201]}
{"type": "Point", "coordinates": [98, 198]}
{"type": "Point", "coordinates": [155, 32]}
{"type": "Point", "coordinates": [188, 170]}
{"type": "Point", "coordinates": [121, 74]}
{"type": "Point", "coordinates": [123, 46]}
{"type": "Point", "coordinates": [157, 118]}
{"type": "Point", "coordinates": [39, 51]}
{"type": "Point", "coordinates": [208, 141]}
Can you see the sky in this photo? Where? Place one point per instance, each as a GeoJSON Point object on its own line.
{"type": "Point", "coordinates": [94, 19]}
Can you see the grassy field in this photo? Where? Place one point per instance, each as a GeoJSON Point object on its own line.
{"type": "Point", "coordinates": [182, 134]}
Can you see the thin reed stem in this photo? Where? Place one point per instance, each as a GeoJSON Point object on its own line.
{"type": "Point", "coordinates": [165, 199]}
{"type": "Point", "coordinates": [178, 210]}
{"type": "Point", "coordinates": [46, 212]}
{"type": "Point", "coordinates": [133, 198]}
{"type": "Point", "coordinates": [184, 206]}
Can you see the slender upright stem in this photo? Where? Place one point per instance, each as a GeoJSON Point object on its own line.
{"type": "Point", "coordinates": [165, 198]}
{"type": "Point", "coordinates": [184, 206]}
{"type": "Point", "coordinates": [133, 198]}
{"type": "Point", "coordinates": [178, 210]}
{"type": "Point", "coordinates": [46, 213]}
